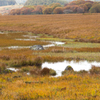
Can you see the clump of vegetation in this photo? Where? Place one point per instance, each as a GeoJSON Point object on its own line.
{"type": "Point", "coordinates": [52, 72]}
{"type": "Point", "coordinates": [58, 10]}
{"type": "Point", "coordinates": [95, 8]}
{"type": "Point", "coordinates": [82, 72]}
{"type": "Point", "coordinates": [2, 68]}
{"type": "Point", "coordinates": [38, 61]}
{"type": "Point", "coordinates": [45, 71]}
{"type": "Point", "coordinates": [47, 10]}
{"type": "Point", "coordinates": [94, 70]}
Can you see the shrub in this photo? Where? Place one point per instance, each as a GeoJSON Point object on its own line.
{"type": "Point", "coordinates": [95, 8]}
{"type": "Point", "coordinates": [58, 10]}
{"type": "Point", "coordinates": [94, 70]}
{"type": "Point", "coordinates": [13, 12]}
{"type": "Point", "coordinates": [89, 5]}
{"type": "Point", "coordinates": [80, 10]}
{"type": "Point", "coordinates": [54, 5]}
{"type": "Point", "coordinates": [45, 71]}
{"type": "Point", "coordinates": [37, 10]}
{"type": "Point", "coordinates": [26, 11]}
{"type": "Point", "coordinates": [52, 72]}
{"type": "Point", "coordinates": [47, 10]}
{"type": "Point", "coordinates": [38, 61]}
{"type": "Point", "coordinates": [85, 8]}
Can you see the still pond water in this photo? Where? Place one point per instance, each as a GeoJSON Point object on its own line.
{"type": "Point", "coordinates": [77, 66]}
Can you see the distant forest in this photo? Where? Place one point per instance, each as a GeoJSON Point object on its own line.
{"type": "Point", "coordinates": [44, 2]}
{"type": "Point", "coordinates": [7, 2]}
{"type": "Point", "coordinates": [79, 6]}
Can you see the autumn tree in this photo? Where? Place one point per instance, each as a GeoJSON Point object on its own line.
{"type": "Point", "coordinates": [89, 5]}
{"type": "Point", "coordinates": [58, 10]}
{"type": "Point", "coordinates": [95, 8]}
{"type": "Point", "coordinates": [84, 7]}
{"type": "Point", "coordinates": [13, 12]}
{"type": "Point", "coordinates": [47, 10]}
{"type": "Point", "coordinates": [26, 11]}
{"type": "Point", "coordinates": [37, 10]}
{"type": "Point", "coordinates": [54, 5]}
{"type": "Point", "coordinates": [80, 10]}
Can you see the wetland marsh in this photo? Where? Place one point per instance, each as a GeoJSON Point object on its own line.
{"type": "Point", "coordinates": [72, 39]}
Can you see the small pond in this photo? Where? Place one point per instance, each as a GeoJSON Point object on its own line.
{"type": "Point", "coordinates": [77, 66]}
{"type": "Point", "coordinates": [60, 66]}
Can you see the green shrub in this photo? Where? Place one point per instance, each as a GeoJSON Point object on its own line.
{"type": "Point", "coordinates": [47, 10]}
{"type": "Point", "coordinates": [52, 72]}
{"type": "Point", "coordinates": [58, 10]}
{"type": "Point", "coordinates": [95, 8]}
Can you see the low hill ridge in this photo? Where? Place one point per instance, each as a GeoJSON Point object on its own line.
{"type": "Point", "coordinates": [44, 2]}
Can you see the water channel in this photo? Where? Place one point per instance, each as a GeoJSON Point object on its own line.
{"type": "Point", "coordinates": [57, 66]}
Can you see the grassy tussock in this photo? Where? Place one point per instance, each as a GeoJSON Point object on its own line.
{"type": "Point", "coordinates": [95, 70]}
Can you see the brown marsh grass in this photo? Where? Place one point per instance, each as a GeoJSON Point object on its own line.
{"type": "Point", "coordinates": [9, 39]}
{"type": "Point", "coordinates": [67, 87]}
{"type": "Point", "coordinates": [73, 86]}
{"type": "Point", "coordinates": [64, 26]}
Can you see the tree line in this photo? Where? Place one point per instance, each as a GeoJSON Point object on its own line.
{"type": "Point", "coordinates": [79, 6]}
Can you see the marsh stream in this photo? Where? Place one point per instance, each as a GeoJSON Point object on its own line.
{"type": "Point", "coordinates": [31, 38]}
{"type": "Point", "coordinates": [57, 66]}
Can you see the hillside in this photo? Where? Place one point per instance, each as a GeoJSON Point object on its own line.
{"type": "Point", "coordinates": [21, 1]}
{"type": "Point", "coordinates": [7, 2]}
{"type": "Point", "coordinates": [6, 9]}
{"type": "Point", "coordinates": [44, 2]}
